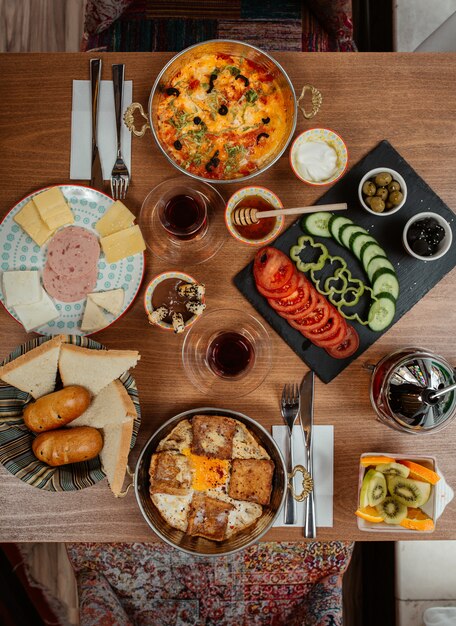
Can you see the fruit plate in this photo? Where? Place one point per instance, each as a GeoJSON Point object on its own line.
{"type": "Point", "coordinates": [19, 252]}
{"type": "Point", "coordinates": [416, 278]}
{"type": "Point", "coordinates": [441, 495]}
{"type": "Point", "coordinates": [16, 439]}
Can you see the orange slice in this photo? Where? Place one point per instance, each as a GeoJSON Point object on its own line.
{"type": "Point", "coordinates": [419, 472]}
{"type": "Point", "coordinates": [370, 514]}
{"type": "Point", "coordinates": [376, 460]}
{"type": "Point", "coordinates": [417, 520]}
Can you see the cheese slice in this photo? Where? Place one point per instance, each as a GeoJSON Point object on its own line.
{"type": "Point", "coordinates": [30, 220]}
{"type": "Point", "coordinates": [116, 218]}
{"type": "Point", "coordinates": [37, 314]}
{"type": "Point", "coordinates": [53, 209]}
{"type": "Point", "coordinates": [93, 318]}
{"type": "Point", "coordinates": [123, 244]}
{"type": "Point", "coordinates": [111, 301]}
{"type": "Point", "coordinates": [21, 287]}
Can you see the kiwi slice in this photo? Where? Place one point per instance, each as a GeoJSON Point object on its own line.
{"type": "Point", "coordinates": [373, 489]}
{"type": "Point", "coordinates": [393, 469]}
{"type": "Point", "coordinates": [413, 493]}
{"type": "Point", "coordinates": [392, 511]}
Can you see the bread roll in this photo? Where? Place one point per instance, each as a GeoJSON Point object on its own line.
{"type": "Point", "coordinates": [56, 409]}
{"type": "Point", "coordinates": [71, 445]}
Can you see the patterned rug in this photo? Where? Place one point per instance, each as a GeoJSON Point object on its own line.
{"type": "Point", "coordinates": [171, 25]}
{"type": "Point", "coordinates": [267, 584]}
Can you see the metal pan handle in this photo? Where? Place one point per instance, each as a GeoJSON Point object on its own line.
{"type": "Point", "coordinates": [129, 119]}
{"type": "Point", "coordinates": [307, 483]}
{"type": "Point", "coordinates": [316, 100]}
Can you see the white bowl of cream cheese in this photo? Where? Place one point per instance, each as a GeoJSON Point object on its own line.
{"type": "Point", "coordinates": [318, 156]}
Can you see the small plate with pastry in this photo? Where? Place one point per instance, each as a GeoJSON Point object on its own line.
{"type": "Point", "coordinates": [210, 481]}
{"type": "Point", "coordinates": [72, 260]}
{"type": "Point", "coordinates": [70, 413]}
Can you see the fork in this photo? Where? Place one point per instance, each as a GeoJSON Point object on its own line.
{"type": "Point", "coordinates": [120, 177]}
{"type": "Point", "coordinates": [289, 408]}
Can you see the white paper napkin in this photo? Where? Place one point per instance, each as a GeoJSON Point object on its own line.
{"type": "Point", "coordinates": [323, 466]}
{"type": "Point", "coordinates": [81, 129]}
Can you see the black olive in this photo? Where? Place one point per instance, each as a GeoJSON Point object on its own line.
{"type": "Point", "coordinates": [216, 153]}
{"type": "Point", "coordinates": [262, 135]}
{"type": "Point", "coordinates": [243, 78]}
{"type": "Point", "coordinates": [223, 110]}
{"type": "Point", "coordinates": [178, 145]}
{"type": "Point", "coordinates": [216, 161]}
{"type": "Point", "coordinates": [421, 247]}
{"type": "Point", "coordinates": [265, 120]}
{"type": "Point", "coordinates": [415, 232]}
{"type": "Point", "coordinates": [213, 77]}
{"type": "Point", "coordinates": [213, 162]}
{"type": "Point", "coordinates": [197, 120]}
{"type": "Point", "coordinates": [172, 91]}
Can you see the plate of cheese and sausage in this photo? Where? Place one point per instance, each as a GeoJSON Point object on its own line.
{"type": "Point", "coordinates": [72, 260]}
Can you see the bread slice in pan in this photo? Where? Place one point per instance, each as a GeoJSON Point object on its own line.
{"type": "Point", "coordinates": [112, 405]}
{"type": "Point", "coordinates": [251, 480]}
{"type": "Point", "coordinates": [94, 369]}
{"type": "Point", "coordinates": [213, 436]}
{"type": "Point", "coordinates": [170, 473]}
{"type": "Point", "coordinates": [114, 455]}
{"type": "Point", "coordinates": [35, 372]}
{"type": "Point", "coordinates": [208, 517]}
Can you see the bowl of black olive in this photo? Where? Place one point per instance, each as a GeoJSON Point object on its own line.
{"type": "Point", "coordinates": [427, 236]}
{"type": "Point", "coordinates": [382, 191]}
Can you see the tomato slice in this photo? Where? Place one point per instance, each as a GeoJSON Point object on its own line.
{"type": "Point", "coordinates": [347, 347]}
{"type": "Point", "coordinates": [314, 320]}
{"type": "Point", "coordinates": [329, 329]}
{"type": "Point", "coordinates": [334, 340]}
{"type": "Point", "coordinates": [307, 307]}
{"type": "Point", "coordinates": [296, 300]}
{"type": "Point", "coordinates": [272, 269]}
{"type": "Point", "coordinates": [283, 292]}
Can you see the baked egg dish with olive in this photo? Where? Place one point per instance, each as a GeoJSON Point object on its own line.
{"type": "Point", "coordinates": [210, 477]}
{"type": "Point", "coordinates": [222, 116]}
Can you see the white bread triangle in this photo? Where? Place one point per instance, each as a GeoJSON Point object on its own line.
{"type": "Point", "coordinates": [94, 369]}
{"type": "Point", "coordinates": [35, 372]}
{"type": "Point", "coordinates": [111, 301]}
{"type": "Point", "coordinates": [111, 406]}
{"type": "Point", "coordinates": [93, 318]}
{"type": "Point", "coordinates": [114, 455]}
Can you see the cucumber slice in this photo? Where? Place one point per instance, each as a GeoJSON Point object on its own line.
{"type": "Point", "coordinates": [357, 242]}
{"type": "Point", "coordinates": [347, 230]}
{"type": "Point", "coordinates": [381, 313]}
{"type": "Point", "coordinates": [368, 251]}
{"type": "Point", "coordinates": [335, 224]}
{"type": "Point", "coordinates": [385, 282]}
{"type": "Point", "coordinates": [378, 263]}
{"type": "Point", "coordinates": [348, 234]}
{"type": "Point", "coordinates": [317, 224]}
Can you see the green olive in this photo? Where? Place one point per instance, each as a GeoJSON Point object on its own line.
{"type": "Point", "coordinates": [388, 205]}
{"type": "Point", "coordinates": [382, 192]}
{"type": "Point", "coordinates": [396, 197]}
{"type": "Point", "coordinates": [383, 179]}
{"type": "Point", "coordinates": [377, 205]}
{"type": "Point", "coordinates": [394, 186]}
{"type": "Point", "coordinates": [368, 200]}
{"type": "Point", "coordinates": [369, 188]}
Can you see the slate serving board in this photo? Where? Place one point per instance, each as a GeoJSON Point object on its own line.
{"type": "Point", "coordinates": [416, 278]}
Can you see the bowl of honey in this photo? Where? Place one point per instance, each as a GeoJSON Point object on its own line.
{"type": "Point", "coordinates": [263, 231]}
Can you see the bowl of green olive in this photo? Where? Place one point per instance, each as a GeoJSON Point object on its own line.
{"type": "Point", "coordinates": [382, 191]}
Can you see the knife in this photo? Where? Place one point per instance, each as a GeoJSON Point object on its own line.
{"type": "Point", "coordinates": [95, 75]}
{"type": "Point", "coordinates": [306, 416]}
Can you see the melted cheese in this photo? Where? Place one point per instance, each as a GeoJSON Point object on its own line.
{"type": "Point", "coordinates": [237, 125]}
{"type": "Point", "coordinates": [207, 473]}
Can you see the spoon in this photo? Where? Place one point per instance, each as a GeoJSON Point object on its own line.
{"type": "Point", "coordinates": [245, 216]}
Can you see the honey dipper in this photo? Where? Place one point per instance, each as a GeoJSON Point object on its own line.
{"type": "Point", "coordinates": [244, 216]}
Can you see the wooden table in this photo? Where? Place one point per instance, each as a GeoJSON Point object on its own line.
{"type": "Point", "coordinates": [409, 99]}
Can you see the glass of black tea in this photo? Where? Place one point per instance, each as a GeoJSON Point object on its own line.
{"type": "Point", "coordinates": [183, 214]}
{"type": "Point", "coordinates": [227, 352]}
